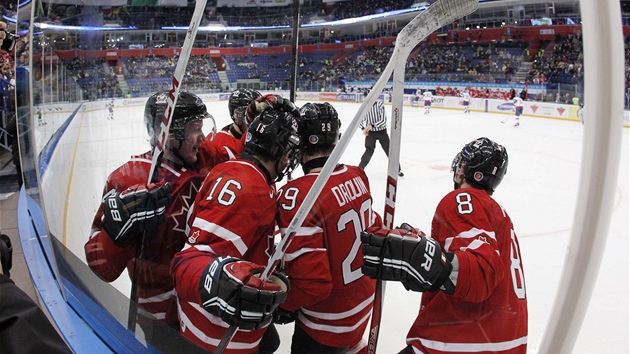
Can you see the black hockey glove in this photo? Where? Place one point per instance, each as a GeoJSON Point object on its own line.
{"type": "Point", "coordinates": [129, 213]}
{"type": "Point", "coordinates": [231, 289]}
{"type": "Point", "coordinates": [410, 257]}
{"type": "Point", "coordinates": [276, 102]}
{"type": "Point", "coordinates": [6, 254]}
{"type": "Point", "coordinates": [282, 316]}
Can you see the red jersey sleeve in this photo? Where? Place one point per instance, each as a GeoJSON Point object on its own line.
{"type": "Point", "coordinates": [104, 257]}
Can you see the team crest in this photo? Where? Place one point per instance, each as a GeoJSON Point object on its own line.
{"type": "Point", "coordinates": [161, 98]}
{"type": "Point", "coordinates": [478, 176]}
{"type": "Point", "coordinates": [313, 139]}
{"type": "Point", "coordinates": [192, 239]}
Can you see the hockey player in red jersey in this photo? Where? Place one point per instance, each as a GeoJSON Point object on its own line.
{"type": "Point", "coordinates": [330, 299]}
{"type": "Point", "coordinates": [230, 239]}
{"type": "Point", "coordinates": [237, 106]}
{"type": "Point", "coordinates": [470, 269]}
{"type": "Point", "coordinates": [135, 216]}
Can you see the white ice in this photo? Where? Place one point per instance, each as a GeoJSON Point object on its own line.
{"type": "Point", "coordinates": [539, 192]}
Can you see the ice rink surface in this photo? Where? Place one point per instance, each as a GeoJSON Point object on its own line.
{"type": "Point", "coordinates": [539, 193]}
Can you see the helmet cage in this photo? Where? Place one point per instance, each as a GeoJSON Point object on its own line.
{"type": "Point", "coordinates": [241, 98]}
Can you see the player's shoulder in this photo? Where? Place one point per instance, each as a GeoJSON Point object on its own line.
{"type": "Point", "coordinates": [243, 171]}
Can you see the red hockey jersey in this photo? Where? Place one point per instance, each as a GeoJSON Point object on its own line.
{"type": "Point", "coordinates": [108, 260]}
{"type": "Point", "coordinates": [226, 139]}
{"type": "Point", "coordinates": [488, 311]}
{"type": "Point", "coordinates": [234, 215]}
{"type": "Point", "coordinates": [324, 259]}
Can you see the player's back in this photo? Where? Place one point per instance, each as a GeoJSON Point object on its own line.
{"type": "Point", "coordinates": [324, 260]}
{"type": "Point", "coordinates": [488, 310]}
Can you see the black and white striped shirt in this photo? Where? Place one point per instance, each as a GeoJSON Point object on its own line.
{"type": "Point", "coordinates": [375, 117]}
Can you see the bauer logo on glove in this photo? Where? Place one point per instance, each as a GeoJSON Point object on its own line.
{"type": "Point", "coordinates": [405, 254]}
{"type": "Point", "coordinates": [127, 214]}
{"type": "Point", "coordinates": [232, 289]}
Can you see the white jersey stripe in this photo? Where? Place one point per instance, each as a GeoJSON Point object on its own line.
{"type": "Point", "coordinates": [341, 315]}
{"type": "Point", "coordinates": [157, 298]}
{"type": "Point", "coordinates": [470, 347]}
{"type": "Point", "coordinates": [222, 233]}
{"type": "Point", "coordinates": [472, 233]}
{"type": "Point", "coordinates": [332, 329]}
{"type": "Point", "coordinates": [291, 256]}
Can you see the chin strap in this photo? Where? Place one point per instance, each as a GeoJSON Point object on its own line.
{"type": "Point", "coordinates": [255, 161]}
{"type": "Point", "coordinates": [235, 133]}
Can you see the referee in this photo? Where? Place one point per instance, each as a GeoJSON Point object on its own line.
{"type": "Point", "coordinates": [374, 126]}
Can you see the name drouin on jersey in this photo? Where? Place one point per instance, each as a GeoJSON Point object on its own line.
{"type": "Point", "coordinates": [349, 190]}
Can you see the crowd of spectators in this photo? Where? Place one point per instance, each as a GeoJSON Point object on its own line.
{"type": "Point", "coordinates": [153, 73]}
{"type": "Point", "coordinates": [95, 77]}
{"type": "Point", "coordinates": [477, 62]}
{"type": "Point", "coordinates": [565, 63]}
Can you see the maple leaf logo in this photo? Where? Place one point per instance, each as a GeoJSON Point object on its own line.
{"type": "Point", "coordinates": [179, 217]}
{"type": "Point", "coordinates": [193, 237]}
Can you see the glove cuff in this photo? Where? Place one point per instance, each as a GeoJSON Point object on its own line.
{"type": "Point", "coordinates": [444, 282]}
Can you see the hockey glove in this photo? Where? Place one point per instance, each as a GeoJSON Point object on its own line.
{"type": "Point", "coordinates": [413, 259]}
{"type": "Point", "coordinates": [6, 254]}
{"type": "Point", "coordinates": [231, 289]}
{"type": "Point", "coordinates": [276, 102]}
{"type": "Point", "coordinates": [128, 214]}
{"type": "Point", "coordinates": [282, 316]}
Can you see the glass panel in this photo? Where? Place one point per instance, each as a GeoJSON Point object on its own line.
{"type": "Point", "coordinates": [69, 143]}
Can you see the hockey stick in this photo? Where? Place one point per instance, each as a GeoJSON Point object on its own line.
{"type": "Point", "coordinates": [506, 119]}
{"type": "Point", "coordinates": [158, 150]}
{"type": "Point", "coordinates": [437, 15]}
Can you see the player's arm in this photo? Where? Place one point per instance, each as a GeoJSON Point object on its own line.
{"type": "Point", "coordinates": [122, 219]}
{"type": "Point", "coordinates": [277, 102]}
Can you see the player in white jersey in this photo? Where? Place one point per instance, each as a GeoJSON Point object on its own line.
{"type": "Point", "coordinates": [416, 98]}
{"type": "Point", "coordinates": [466, 97]}
{"type": "Point", "coordinates": [427, 101]}
{"type": "Point", "coordinates": [518, 109]}
{"type": "Point", "coordinates": [580, 113]}
{"type": "Point", "coordinates": [110, 110]}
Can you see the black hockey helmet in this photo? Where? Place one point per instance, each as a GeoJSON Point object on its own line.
{"type": "Point", "coordinates": [189, 108]}
{"type": "Point", "coordinates": [272, 134]}
{"type": "Point", "coordinates": [482, 163]}
{"type": "Point", "coordinates": [319, 125]}
{"type": "Point", "coordinates": [241, 98]}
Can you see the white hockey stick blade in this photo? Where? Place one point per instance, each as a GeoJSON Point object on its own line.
{"type": "Point", "coordinates": [178, 77]}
